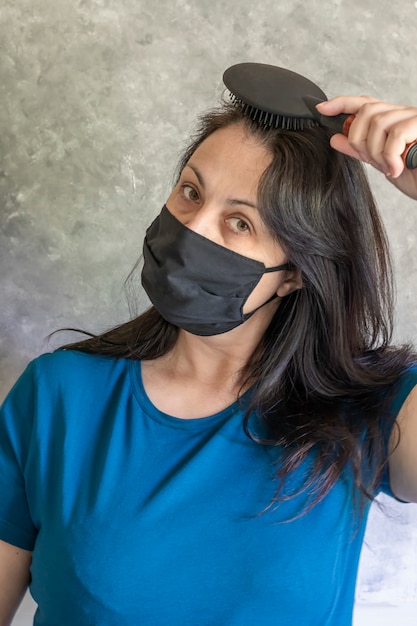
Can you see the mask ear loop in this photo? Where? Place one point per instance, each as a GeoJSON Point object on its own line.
{"type": "Point", "coordinates": [275, 296]}
{"type": "Point", "coordinates": [278, 268]}
{"type": "Point", "coordinates": [286, 266]}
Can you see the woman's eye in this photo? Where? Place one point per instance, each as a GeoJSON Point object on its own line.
{"type": "Point", "coordinates": [190, 193]}
{"type": "Point", "coordinates": [238, 225]}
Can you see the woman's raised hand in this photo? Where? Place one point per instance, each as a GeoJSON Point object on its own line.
{"type": "Point", "coordinates": [378, 135]}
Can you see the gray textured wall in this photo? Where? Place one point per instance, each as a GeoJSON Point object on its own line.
{"type": "Point", "coordinates": [97, 98]}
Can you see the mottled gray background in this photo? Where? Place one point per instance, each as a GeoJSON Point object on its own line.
{"type": "Point", "coordinates": [97, 100]}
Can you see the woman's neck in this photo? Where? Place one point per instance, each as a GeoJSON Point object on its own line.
{"type": "Point", "coordinates": [201, 376]}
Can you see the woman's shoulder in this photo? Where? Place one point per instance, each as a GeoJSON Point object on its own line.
{"type": "Point", "coordinates": [66, 358]}
{"type": "Point", "coordinates": [402, 388]}
{"type": "Point", "coordinates": [66, 377]}
{"type": "Point", "coordinates": [71, 367]}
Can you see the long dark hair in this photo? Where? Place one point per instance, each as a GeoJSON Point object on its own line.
{"type": "Point", "coordinates": [325, 371]}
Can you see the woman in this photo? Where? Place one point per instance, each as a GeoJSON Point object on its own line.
{"type": "Point", "coordinates": [212, 461]}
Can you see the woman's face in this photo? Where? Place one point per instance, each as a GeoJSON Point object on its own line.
{"type": "Point", "coordinates": [216, 196]}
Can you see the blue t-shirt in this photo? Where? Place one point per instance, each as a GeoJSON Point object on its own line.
{"type": "Point", "coordinates": [136, 517]}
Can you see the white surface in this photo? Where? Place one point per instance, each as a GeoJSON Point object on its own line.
{"type": "Point", "coordinates": [405, 615]}
{"type": "Point", "coordinates": [388, 565]}
{"type": "Point", "coordinates": [25, 614]}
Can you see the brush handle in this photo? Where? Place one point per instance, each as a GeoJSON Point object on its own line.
{"type": "Point", "coordinates": [409, 156]}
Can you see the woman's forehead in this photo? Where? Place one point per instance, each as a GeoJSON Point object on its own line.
{"type": "Point", "coordinates": [233, 147]}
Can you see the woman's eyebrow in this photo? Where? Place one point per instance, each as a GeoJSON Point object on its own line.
{"type": "Point", "coordinates": [231, 201]}
{"type": "Point", "coordinates": [197, 173]}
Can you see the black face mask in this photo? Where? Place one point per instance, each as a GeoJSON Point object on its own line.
{"type": "Point", "coordinates": [194, 283]}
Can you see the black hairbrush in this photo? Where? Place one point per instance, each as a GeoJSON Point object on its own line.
{"type": "Point", "coordinates": [272, 95]}
{"type": "Point", "coordinates": [280, 98]}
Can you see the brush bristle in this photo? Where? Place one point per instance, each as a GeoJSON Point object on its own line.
{"type": "Point", "coordinates": [272, 120]}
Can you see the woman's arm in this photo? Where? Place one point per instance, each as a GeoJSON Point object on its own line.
{"type": "Point", "coordinates": [403, 458]}
{"type": "Point", "coordinates": [14, 579]}
{"type": "Point", "coordinates": [378, 135]}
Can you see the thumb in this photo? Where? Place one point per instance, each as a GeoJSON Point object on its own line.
{"type": "Point", "coordinates": [343, 104]}
{"type": "Point", "coordinates": [332, 107]}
